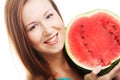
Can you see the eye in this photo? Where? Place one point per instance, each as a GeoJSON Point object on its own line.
{"type": "Point", "coordinates": [49, 16]}
{"type": "Point", "coordinates": [33, 27]}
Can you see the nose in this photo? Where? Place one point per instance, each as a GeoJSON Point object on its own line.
{"type": "Point", "coordinates": [47, 29]}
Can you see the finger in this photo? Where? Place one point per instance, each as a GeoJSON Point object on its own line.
{"type": "Point", "coordinates": [103, 78]}
{"type": "Point", "coordinates": [97, 69]}
{"type": "Point", "coordinates": [117, 77]}
{"type": "Point", "coordinates": [114, 71]}
{"type": "Point", "coordinates": [90, 76]}
{"type": "Point", "coordinates": [93, 74]}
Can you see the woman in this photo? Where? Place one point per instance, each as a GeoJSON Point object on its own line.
{"type": "Point", "coordinates": [37, 31]}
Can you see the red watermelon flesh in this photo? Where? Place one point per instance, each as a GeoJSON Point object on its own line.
{"type": "Point", "coordinates": [93, 39]}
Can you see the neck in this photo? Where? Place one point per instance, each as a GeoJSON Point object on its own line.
{"type": "Point", "coordinates": [60, 67]}
{"type": "Point", "coordinates": [56, 60]}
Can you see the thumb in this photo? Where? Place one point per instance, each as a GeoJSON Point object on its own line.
{"type": "Point", "coordinates": [115, 71]}
{"type": "Point", "coordinates": [93, 74]}
{"type": "Point", "coordinates": [97, 69]}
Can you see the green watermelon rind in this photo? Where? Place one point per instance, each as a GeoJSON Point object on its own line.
{"type": "Point", "coordinates": [109, 68]}
{"type": "Point", "coordinates": [86, 69]}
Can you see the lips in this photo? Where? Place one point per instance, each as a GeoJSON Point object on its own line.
{"type": "Point", "coordinates": [52, 40]}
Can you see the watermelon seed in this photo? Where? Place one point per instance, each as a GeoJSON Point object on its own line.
{"type": "Point", "coordinates": [102, 62]}
{"type": "Point", "coordinates": [85, 44]}
{"type": "Point", "coordinates": [110, 32]}
{"type": "Point", "coordinates": [89, 51]}
{"type": "Point", "coordinates": [116, 37]}
{"type": "Point", "coordinates": [81, 25]}
{"type": "Point", "coordinates": [114, 27]}
{"type": "Point", "coordinates": [82, 37]}
{"type": "Point", "coordinates": [118, 41]}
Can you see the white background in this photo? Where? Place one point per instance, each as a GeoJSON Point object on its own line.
{"type": "Point", "coordinates": [10, 67]}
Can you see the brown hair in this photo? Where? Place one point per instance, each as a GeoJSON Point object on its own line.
{"type": "Point", "coordinates": [37, 66]}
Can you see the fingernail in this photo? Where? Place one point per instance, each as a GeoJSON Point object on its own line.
{"type": "Point", "coordinates": [119, 63]}
{"type": "Point", "coordinates": [97, 69]}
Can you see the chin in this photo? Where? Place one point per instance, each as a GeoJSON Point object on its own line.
{"type": "Point", "coordinates": [55, 50]}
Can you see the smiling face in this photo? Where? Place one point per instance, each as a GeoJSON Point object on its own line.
{"type": "Point", "coordinates": [44, 27]}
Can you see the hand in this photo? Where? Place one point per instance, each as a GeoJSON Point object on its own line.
{"type": "Point", "coordinates": [113, 74]}
{"type": "Point", "coordinates": [117, 77]}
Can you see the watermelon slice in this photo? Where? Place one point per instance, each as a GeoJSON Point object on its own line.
{"type": "Point", "coordinates": [93, 39]}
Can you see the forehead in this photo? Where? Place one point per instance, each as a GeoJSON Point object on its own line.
{"type": "Point", "coordinates": [35, 8]}
{"type": "Point", "coordinates": [37, 5]}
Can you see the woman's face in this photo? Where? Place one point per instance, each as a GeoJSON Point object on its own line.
{"type": "Point", "coordinates": [44, 27]}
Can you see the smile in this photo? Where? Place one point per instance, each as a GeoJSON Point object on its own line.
{"type": "Point", "coordinates": [53, 40]}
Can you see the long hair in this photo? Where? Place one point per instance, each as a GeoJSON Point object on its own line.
{"type": "Point", "coordinates": [37, 66]}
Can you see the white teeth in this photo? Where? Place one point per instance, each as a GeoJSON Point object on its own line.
{"type": "Point", "coordinates": [52, 40]}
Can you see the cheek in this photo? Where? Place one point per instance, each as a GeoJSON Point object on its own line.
{"type": "Point", "coordinates": [34, 38]}
{"type": "Point", "coordinates": [63, 33]}
{"type": "Point", "coordinates": [63, 30]}
{"type": "Point", "coordinates": [60, 25]}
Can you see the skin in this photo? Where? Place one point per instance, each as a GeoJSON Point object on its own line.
{"type": "Point", "coordinates": [114, 74]}
{"type": "Point", "coordinates": [45, 29]}
{"type": "Point", "coordinates": [46, 33]}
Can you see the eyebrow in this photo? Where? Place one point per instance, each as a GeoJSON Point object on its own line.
{"type": "Point", "coordinates": [47, 11]}
{"type": "Point", "coordinates": [30, 23]}
{"type": "Point", "coordinates": [43, 15]}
